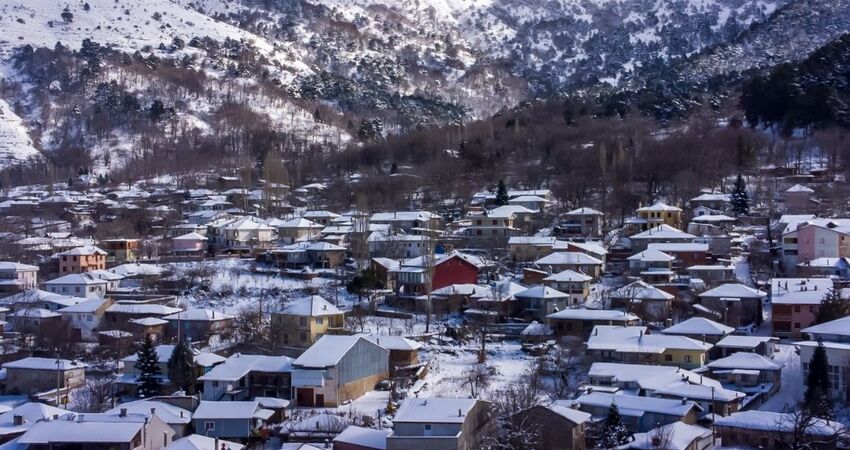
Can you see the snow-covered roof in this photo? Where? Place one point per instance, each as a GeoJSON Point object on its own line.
{"type": "Point", "coordinates": [149, 321]}
{"type": "Point", "coordinates": [545, 241]}
{"type": "Point", "coordinates": [800, 189]}
{"type": "Point", "coordinates": [199, 442]}
{"type": "Point", "coordinates": [563, 409]}
{"type": "Point", "coordinates": [663, 232]}
{"type": "Point", "coordinates": [393, 342]}
{"type": "Point", "coordinates": [85, 250]}
{"type": "Point", "coordinates": [35, 363]}
{"type": "Point", "coordinates": [733, 290]}
{"type": "Point", "coordinates": [193, 236]}
{"type": "Point", "coordinates": [640, 290]}
{"type": "Point", "coordinates": [197, 314]}
{"type": "Point", "coordinates": [364, 437]}
{"type": "Point", "coordinates": [745, 360]}
{"type": "Point", "coordinates": [296, 223]}
{"type": "Point", "coordinates": [699, 326]}
{"type": "Point", "coordinates": [673, 247]}
{"type": "Point", "coordinates": [593, 248]}
{"type": "Point", "coordinates": [312, 306]}
{"type": "Point", "coordinates": [796, 291]}
{"type": "Point", "coordinates": [403, 216]}
{"type": "Point", "coordinates": [744, 342]}
{"type": "Point", "coordinates": [537, 329]}
{"type": "Point", "coordinates": [86, 306]}
{"type": "Point", "coordinates": [541, 292]}
{"type": "Point", "coordinates": [773, 421]}
{"type": "Point", "coordinates": [709, 197]}
{"type": "Point", "coordinates": [76, 279]}
{"type": "Point", "coordinates": [238, 365]}
{"type": "Point", "coordinates": [605, 315]}
{"type": "Point", "coordinates": [584, 212]}
{"type": "Point", "coordinates": [675, 436]}
{"type": "Point", "coordinates": [34, 313]}
{"type": "Point", "coordinates": [837, 327]}
{"type": "Point", "coordinates": [327, 351]}
{"type": "Point", "coordinates": [700, 392]}
{"type": "Point", "coordinates": [633, 406]}
{"type": "Point", "coordinates": [567, 258]}
{"type": "Point", "coordinates": [144, 308]}
{"type": "Point", "coordinates": [434, 410]}
{"type": "Point", "coordinates": [230, 410]}
{"type": "Point", "coordinates": [648, 377]}
{"type": "Point", "coordinates": [31, 412]}
{"type": "Point", "coordinates": [651, 255]}
{"type": "Point", "coordinates": [65, 431]}
{"type": "Point", "coordinates": [568, 275]}
{"type": "Point", "coordinates": [323, 246]}
{"type": "Point", "coordinates": [7, 266]}
{"type": "Point", "coordinates": [713, 218]}
{"type": "Point", "coordinates": [659, 207]}
{"type": "Point", "coordinates": [169, 413]}
{"type": "Point", "coordinates": [634, 339]}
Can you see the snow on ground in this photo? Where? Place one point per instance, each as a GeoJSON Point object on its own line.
{"type": "Point", "coordinates": [793, 385]}
{"type": "Point", "coordinates": [15, 144]}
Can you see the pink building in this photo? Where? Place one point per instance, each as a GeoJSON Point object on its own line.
{"type": "Point", "coordinates": [795, 303]}
{"type": "Point", "coordinates": [820, 238]}
{"type": "Point", "coordinates": [189, 244]}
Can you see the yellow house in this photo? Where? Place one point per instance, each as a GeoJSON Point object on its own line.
{"type": "Point", "coordinates": [659, 214]}
{"type": "Point", "coordinates": [633, 345]}
{"type": "Point", "coordinates": [305, 320]}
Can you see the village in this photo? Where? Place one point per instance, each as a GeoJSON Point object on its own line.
{"type": "Point", "coordinates": [519, 323]}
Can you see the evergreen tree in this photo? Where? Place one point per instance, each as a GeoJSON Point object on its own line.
{"type": "Point", "coordinates": [148, 368]}
{"type": "Point", "coordinates": [502, 194]}
{"type": "Point", "coordinates": [817, 400]}
{"type": "Point", "coordinates": [615, 433]}
{"type": "Point", "coordinates": [832, 307]}
{"type": "Point", "coordinates": [740, 199]}
{"type": "Point", "coordinates": [181, 367]}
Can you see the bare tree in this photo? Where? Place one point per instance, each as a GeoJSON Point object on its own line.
{"type": "Point", "coordinates": [478, 377]}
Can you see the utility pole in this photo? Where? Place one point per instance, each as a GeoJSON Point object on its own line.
{"type": "Point", "coordinates": [429, 280]}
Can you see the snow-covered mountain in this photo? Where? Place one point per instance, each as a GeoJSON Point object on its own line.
{"type": "Point", "coordinates": [327, 71]}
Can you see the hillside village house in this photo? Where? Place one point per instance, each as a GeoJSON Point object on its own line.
{"type": "Point", "coordinates": [81, 259]}
{"type": "Point", "coordinates": [649, 217]}
{"type": "Point", "coordinates": [98, 431]}
{"type": "Point", "coordinates": [733, 304]}
{"type": "Point", "coordinates": [761, 345]}
{"type": "Point", "coordinates": [700, 328]}
{"type": "Point", "coordinates": [773, 431]}
{"type": "Point", "coordinates": [85, 317]}
{"type": "Point", "coordinates": [119, 315]}
{"type": "Point", "coordinates": [245, 377]}
{"type": "Point", "coordinates": [408, 220]}
{"type": "Point", "coordinates": [798, 199]}
{"type": "Point", "coordinates": [684, 254]}
{"type": "Point", "coordinates": [295, 230]}
{"type": "Point", "coordinates": [189, 244]}
{"type": "Point", "coordinates": [825, 268]}
{"type": "Point", "coordinates": [127, 381]}
{"type": "Point", "coordinates": [559, 427]}
{"type": "Point", "coordinates": [389, 245]}
{"type": "Point", "coordinates": [835, 337]}
{"type": "Point", "coordinates": [529, 248]}
{"type": "Point", "coordinates": [439, 424]}
{"type": "Point", "coordinates": [712, 275]}
{"type": "Point", "coordinates": [581, 222]}
{"type": "Point", "coordinates": [662, 234]}
{"type": "Point", "coordinates": [795, 303]}
{"type": "Point", "coordinates": [812, 239]}
{"type": "Point", "coordinates": [17, 277]}
{"type": "Point", "coordinates": [652, 266]}
{"type": "Point", "coordinates": [34, 375]}
{"type": "Point", "coordinates": [235, 420]}
{"type": "Point", "coordinates": [404, 352]}
{"type": "Point", "coordinates": [411, 276]}
{"type": "Point", "coordinates": [321, 217]}
{"type": "Point", "coordinates": [675, 436]}
{"type": "Point", "coordinates": [38, 321]}
{"type": "Point", "coordinates": [198, 325]}
{"type": "Point", "coordinates": [78, 285]}
{"type": "Point", "coordinates": [709, 202]}
{"type": "Point", "coordinates": [640, 414]}
{"type": "Point", "coordinates": [575, 261]}
{"type": "Point", "coordinates": [539, 301]}
{"type": "Point", "coordinates": [581, 322]}
{"type": "Point", "coordinates": [574, 284]}
{"type": "Point", "coordinates": [750, 372]}
{"type": "Point", "coordinates": [497, 224]}
{"type": "Point", "coordinates": [121, 250]}
{"type": "Point", "coordinates": [634, 345]}
{"type": "Point", "coordinates": [304, 320]}
{"type": "Point", "coordinates": [648, 302]}
{"type": "Point", "coordinates": [336, 369]}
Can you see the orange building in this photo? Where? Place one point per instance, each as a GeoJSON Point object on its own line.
{"type": "Point", "coordinates": [82, 259]}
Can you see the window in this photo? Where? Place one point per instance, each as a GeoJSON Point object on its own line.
{"type": "Point", "coordinates": [302, 321]}
{"type": "Point", "coordinates": [209, 426]}
{"type": "Point", "coordinates": [688, 358]}
{"type": "Point", "coordinates": [319, 321]}
{"type": "Point", "coordinates": [796, 308]}
{"type": "Point", "coordinates": [76, 289]}
{"type": "Point", "coordinates": [668, 358]}
{"type": "Point", "coordinates": [797, 325]}
{"type": "Point", "coordinates": [215, 383]}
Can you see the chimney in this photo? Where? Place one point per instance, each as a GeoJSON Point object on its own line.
{"type": "Point", "coordinates": [17, 420]}
{"type": "Point", "coordinates": [153, 411]}
{"type": "Point", "coordinates": [684, 401]}
{"type": "Point", "coordinates": [122, 412]}
{"type": "Point", "coordinates": [79, 418]}
{"type": "Point", "coordinates": [459, 413]}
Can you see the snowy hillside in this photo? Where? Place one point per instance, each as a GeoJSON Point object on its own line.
{"type": "Point", "coordinates": [15, 144]}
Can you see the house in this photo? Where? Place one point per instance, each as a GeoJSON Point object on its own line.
{"type": "Point", "coordinates": [798, 199]}
{"type": "Point", "coordinates": [81, 259]}
{"type": "Point", "coordinates": [359, 438]}
{"type": "Point", "coordinates": [394, 245]}
{"type": "Point", "coordinates": [403, 351]}
{"type": "Point", "coordinates": [411, 277]}
{"type": "Point", "coordinates": [321, 217]}
{"type": "Point", "coordinates": [652, 266]}
{"type": "Point", "coordinates": [572, 283]}
{"type": "Point", "coordinates": [236, 420]}
{"type": "Point", "coordinates": [640, 414]}
{"type": "Point", "coordinates": [531, 202]}
{"type": "Point", "coordinates": [529, 248]}
{"type": "Point", "coordinates": [336, 369]}
{"type": "Point", "coordinates": [408, 220]}
{"type": "Point", "coordinates": [594, 249]}
{"type": "Point", "coordinates": [649, 217]}
{"type": "Point", "coordinates": [581, 222]}
{"type": "Point", "coordinates": [733, 304]}
{"type": "Point", "coordinates": [244, 377]}
{"type": "Point", "coordinates": [189, 244]}
{"type": "Point", "coordinates": [632, 344]}
{"type": "Point", "coordinates": [21, 418]}
{"type": "Point", "coordinates": [795, 303]}
{"type": "Point", "coordinates": [38, 321]}
{"type": "Point", "coordinates": [642, 379]}
{"type": "Point", "coordinates": [580, 322]}
{"type": "Point", "coordinates": [121, 250]}
{"type": "Point", "coordinates": [98, 431]}
{"type": "Point", "coordinates": [242, 235]}
{"type": "Point", "coordinates": [78, 285]}
{"type": "Point", "coordinates": [296, 230]}
{"type": "Point", "coordinates": [179, 419]}
{"type": "Point", "coordinates": [325, 255]}
{"type": "Point", "coordinates": [762, 345]}
{"type": "Point", "coordinates": [557, 426]}
{"type": "Point", "coordinates": [712, 275]}
{"type": "Point", "coordinates": [199, 324]}
{"type": "Point", "coordinates": [646, 301]}
{"type": "Point", "coordinates": [807, 240]}
{"type": "Point", "coordinates": [715, 202]}
{"type": "Point", "coordinates": [700, 328]}
{"type": "Point", "coordinates": [539, 301]}
{"type": "Point", "coordinates": [86, 317]}
{"type": "Point", "coordinates": [304, 320]}
{"type": "Point", "coordinates": [575, 261]}
{"type": "Point", "coordinates": [199, 442]}
{"type": "Point", "coordinates": [17, 277]}
{"type": "Point", "coordinates": [439, 424]}
{"type": "Point", "coordinates": [749, 372]}
{"type": "Point", "coordinates": [674, 436]}
{"type": "Point", "coordinates": [712, 399]}
{"type": "Point", "coordinates": [144, 326]}
{"type": "Point", "coordinates": [837, 354]}
{"type": "Point", "coordinates": [685, 254]}
{"type": "Point", "coordinates": [775, 431]}
{"type": "Point", "coordinates": [119, 315]}
{"type": "Point", "coordinates": [661, 234]}
{"type": "Point", "coordinates": [825, 268]}
{"type": "Point", "coordinates": [112, 279]}
{"type": "Point", "coordinates": [34, 375]}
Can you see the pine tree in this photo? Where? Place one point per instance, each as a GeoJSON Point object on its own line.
{"type": "Point", "coordinates": [817, 400]}
{"type": "Point", "coordinates": [614, 433]}
{"type": "Point", "coordinates": [181, 367]}
{"type": "Point", "coordinates": [740, 199]}
{"type": "Point", "coordinates": [502, 194]}
{"type": "Point", "coordinates": [148, 367]}
{"type": "Point", "coordinates": [832, 307]}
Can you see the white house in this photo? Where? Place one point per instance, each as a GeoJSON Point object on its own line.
{"type": "Point", "coordinates": [78, 285]}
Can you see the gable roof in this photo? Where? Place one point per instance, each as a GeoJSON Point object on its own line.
{"type": "Point", "coordinates": [312, 306]}
{"type": "Point", "coordinates": [434, 410]}
{"type": "Point", "coordinates": [746, 360]}
{"type": "Point", "coordinates": [239, 365]}
{"type": "Point", "coordinates": [733, 290]}
{"type": "Point", "coordinates": [541, 292]}
{"type": "Point", "coordinates": [630, 405]}
{"type": "Point", "coordinates": [697, 326]}
{"type": "Point", "coordinates": [329, 350]}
